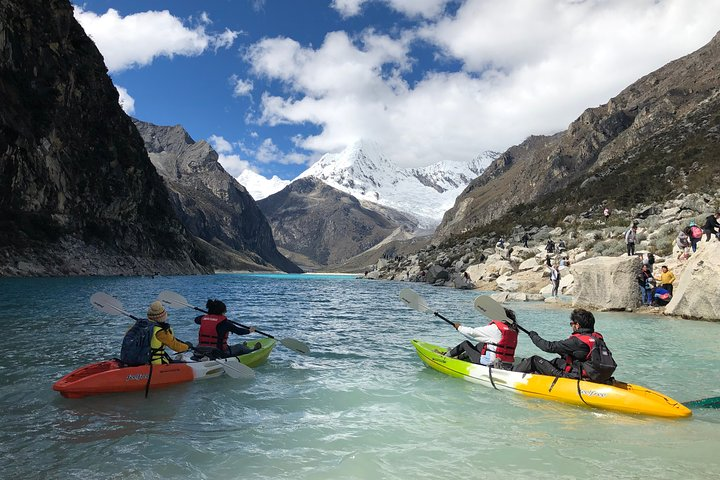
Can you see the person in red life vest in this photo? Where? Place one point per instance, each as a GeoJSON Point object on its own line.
{"type": "Point", "coordinates": [573, 351]}
{"type": "Point", "coordinates": [496, 347]}
{"type": "Point", "coordinates": [215, 328]}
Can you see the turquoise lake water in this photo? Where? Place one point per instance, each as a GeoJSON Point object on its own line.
{"type": "Point", "coordinates": [361, 405]}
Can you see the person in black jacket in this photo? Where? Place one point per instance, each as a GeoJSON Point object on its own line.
{"type": "Point", "coordinates": [712, 227]}
{"type": "Point", "coordinates": [573, 351]}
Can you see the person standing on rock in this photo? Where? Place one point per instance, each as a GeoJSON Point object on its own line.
{"type": "Point", "coordinates": [712, 227]}
{"type": "Point", "coordinates": [696, 234]}
{"type": "Point", "coordinates": [666, 279]}
{"type": "Point", "coordinates": [555, 279]}
{"type": "Point", "coordinates": [550, 247]}
{"type": "Point", "coordinates": [497, 343]}
{"type": "Point", "coordinates": [683, 243]}
{"type": "Point", "coordinates": [606, 212]}
{"type": "Point", "coordinates": [646, 282]}
{"type": "Point", "coordinates": [630, 239]}
{"type": "Point", "coordinates": [525, 239]}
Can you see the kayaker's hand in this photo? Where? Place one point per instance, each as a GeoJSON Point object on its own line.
{"type": "Point", "coordinates": [456, 325]}
{"type": "Point", "coordinates": [252, 329]}
{"type": "Point", "coordinates": [533, 334]}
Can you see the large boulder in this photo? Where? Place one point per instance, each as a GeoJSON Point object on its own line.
{"type": "Point", "coordinates": [607, 283]}
{"type": "Point", "coordinates": [696, 290]}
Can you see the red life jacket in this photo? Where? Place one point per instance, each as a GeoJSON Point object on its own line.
{"type": "Point", "coordinates": [587, 339]}
{"type": "Point", "coordinates": [208, 337]}
{"type": "Point", "coordinates": [505, 349]}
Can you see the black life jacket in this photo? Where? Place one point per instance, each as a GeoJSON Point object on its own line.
{"type": "Point", "coordinates": [599, 364]}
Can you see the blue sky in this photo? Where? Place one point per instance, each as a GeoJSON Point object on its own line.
{"type": "Point", "coordinates": [275, 84]}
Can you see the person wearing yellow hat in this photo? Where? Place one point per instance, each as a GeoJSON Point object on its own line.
{"type": "Point", "coordinates": [162, 335]}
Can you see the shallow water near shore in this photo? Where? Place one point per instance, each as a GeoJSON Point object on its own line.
{"type": "Point", "coordinates": [361, 405]}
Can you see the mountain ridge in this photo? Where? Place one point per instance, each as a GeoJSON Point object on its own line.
{"type": "Point", "coordinates": [212, 205]}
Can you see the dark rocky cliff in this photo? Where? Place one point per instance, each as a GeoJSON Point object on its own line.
{"type": "Point", "coordinates": [321, 226]}
{"type": "Point", "coordinates": [78, 194]}
{"type": "Point", "coordinates": [666, 119]}
{"type": "Point", "coordinates": [211, 204]}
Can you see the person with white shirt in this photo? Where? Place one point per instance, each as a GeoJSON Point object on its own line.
{"type": "Point", "coordinates": [496, 343]}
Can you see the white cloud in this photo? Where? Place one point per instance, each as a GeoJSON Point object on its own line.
{"type": "Point", "coordinates": [136, 40]}
{"type": "Point", "coordinates": [126, 101]}
{"type": "Point", "coordinates": [233, 164]}
{"type": "Point", "coordinates": [268, 152]}
{"type": "Point", "coordinates": [220, 144]}
{"type": "Point", "coordinates": [528, 67]}
{"type": "Point", "coordinates": [241, 87]}
{"type": "Point", "coordinates": [411, 8]}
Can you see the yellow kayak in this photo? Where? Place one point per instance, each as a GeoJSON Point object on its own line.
{"type": "Point", "coordinates": [619, 397]}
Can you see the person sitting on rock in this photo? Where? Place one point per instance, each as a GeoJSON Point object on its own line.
{"type": "Point", "coordinates": [661, 297]}
{"type": "Point", "coordinates": [496, 347]}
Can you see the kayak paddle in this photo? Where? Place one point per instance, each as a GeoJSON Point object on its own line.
{"type": "Point", "coordinates": [109, 304]}
{"type": "Point", "coordinates": [712, 402]}
{"type": "Point", "coordinates": [493, 310]}
{"type": "Point", "coordinates": [175, 300]}
{"type": "Point", "coordinates": [416, 302]}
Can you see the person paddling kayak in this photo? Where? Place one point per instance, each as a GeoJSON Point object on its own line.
{"type": "Point", "coordinates": [215, 329]}
{"type": "Point", "coordinates": [162, 336]}
{"type": "Point", "coordinates": [498, 341]}
{"type": "Point", "coordinates": [575, 360]}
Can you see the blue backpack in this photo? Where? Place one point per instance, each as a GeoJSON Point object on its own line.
{"type": "Point", "coordinates": [136, 343]}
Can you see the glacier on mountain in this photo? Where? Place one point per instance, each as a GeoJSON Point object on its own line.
{"type": "Point", "coordinates": [258, 186]}
{"type": "Point", "coordinates": [363, 171]}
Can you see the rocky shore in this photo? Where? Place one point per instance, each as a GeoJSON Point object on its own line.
{"type": "Point", "coordinates": [595, 268]}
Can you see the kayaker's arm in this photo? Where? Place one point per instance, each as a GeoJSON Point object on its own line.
{"type": "Point", "coordinates": [237, 330]}
{"type": "Point", "coordinates": [168, 339]}
{"type": "Point", "coordinates": [561, 347]}
{"type": "Point", "coordinates": [485, 334]}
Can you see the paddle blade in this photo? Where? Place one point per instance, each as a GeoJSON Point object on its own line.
{"type": "Point", "coordinates": [712, 402]}
{"type": "Point", "coordinates": [491, 309]}
{"type": "Point", "coordinates": [106, 303]}
{"type": "Point", "coordinates": [413, 300]}
{"type": "Point", "coordinates": [172, 299]}
{"type": "Point", "coordinates": [296, 345]}
{"type": "Point", "coordinates": [233, 368]}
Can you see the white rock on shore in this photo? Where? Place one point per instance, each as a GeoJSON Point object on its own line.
{"type": "Point", "coordinates": [608, 283]}
{"type": "Point", "coordinates": [697, 294]}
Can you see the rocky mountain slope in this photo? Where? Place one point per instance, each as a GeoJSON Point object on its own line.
{"type": "Point", "coordinates": [659, 137]}
{"type": "Point", "coordinates": [78, 194]}
{"type": "Point", "coordinates": [364, 172]}
{"type": "Point", "coordinates": [319, 225]}
{"type": "Point", "coordinates": [211, 204]}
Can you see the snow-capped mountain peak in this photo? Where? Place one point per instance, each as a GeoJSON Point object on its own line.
{"type": "Point", "coordinates": [363, 171]}
{"type": "Point", "coordinates": [260, 187]}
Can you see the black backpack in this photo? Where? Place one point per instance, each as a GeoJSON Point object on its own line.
{"type": "Point", "coordinates": [599, 364]}
{"type": "Point", "coordinates": [136, 343]}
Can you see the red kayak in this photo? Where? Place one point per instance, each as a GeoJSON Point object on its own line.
{"type": "Point", "coordinates": [110, 376]}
